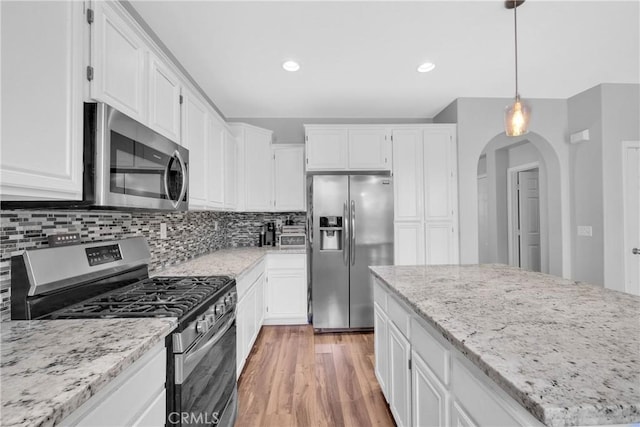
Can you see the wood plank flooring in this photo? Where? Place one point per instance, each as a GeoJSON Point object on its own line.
{"type": "Point", "coordinates": [294, 378]}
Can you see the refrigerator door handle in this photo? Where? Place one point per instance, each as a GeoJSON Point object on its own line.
{"type": "Point", "coordinates": [353, 233]}
{"type": "Point", "coordinates": [345, 233]}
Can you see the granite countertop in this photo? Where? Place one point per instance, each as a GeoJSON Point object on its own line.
{"type": "Point", "coordinates": [568, 352]}
{"type": "Point", "coordinates": [51, 367]}
{"type": "Point", "coordinates": [225, 262]}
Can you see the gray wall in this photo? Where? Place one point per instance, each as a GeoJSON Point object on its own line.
{"type": "Point", "coordinates": [291, 130]}
{"type": "Point", "coordinates": [480, 120]}
{"type": "Point", "coordinates": [584, 112]}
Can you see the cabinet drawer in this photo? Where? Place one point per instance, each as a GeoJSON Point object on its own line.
{"type": "Point", "coordinates": [483, 401]}
{"type": "Point", "coordinates": [435, 355]}
{"type": "Point", "coordinates": [287, 261]}
{"type": "Point", "coordinates": [379, 293]}
{"type": "Point", "coordinates": [399, 315]}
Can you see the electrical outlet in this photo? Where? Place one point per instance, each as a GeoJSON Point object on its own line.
{"type": "Point", "coordinates": [163, 230]}
{"type": "Point", "coordinates": [278, 223]}
{"type": "Point", "coordinates": [585, 230]}
{"type": "Point", "coordinates": [215, 225]}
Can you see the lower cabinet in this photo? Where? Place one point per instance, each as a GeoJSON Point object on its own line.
{"type": "Point", "coordinates": [286, 290]}
{"type": "Point", "coordinates": [272, 292]}
{"type": "Point", "coordinates": [399, 376]}
{"type": "Point", "coordinates": [426, 381]}
{"type": "Point", "coordinates": [136, 397]}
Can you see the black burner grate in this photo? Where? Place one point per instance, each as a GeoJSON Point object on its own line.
{"type": "Point", "coordinates": [153, 297]}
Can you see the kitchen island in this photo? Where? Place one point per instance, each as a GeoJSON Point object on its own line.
{"type": "Point", "coordinates": [50, 368]}
{"type": "Point", "coordinates": [567, 352]}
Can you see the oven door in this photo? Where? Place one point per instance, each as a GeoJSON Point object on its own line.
{"type": "Point", "coordinates": [137, 167]}
{"type": "Point", "coordinates": [205, 380]}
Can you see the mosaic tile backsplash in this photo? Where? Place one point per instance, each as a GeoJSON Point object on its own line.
{"type": "Point", "coordinates": [189, 234]}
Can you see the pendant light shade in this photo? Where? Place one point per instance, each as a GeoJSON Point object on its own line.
{"type": "Point", "coordinates": [516, 118]}
{"type": "Point", "coordinates": [516, 115]}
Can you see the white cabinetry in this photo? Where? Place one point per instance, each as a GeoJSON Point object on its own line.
{"type": "Point", "coordinates": [230, 149]}
{"type": "Point", "coordinates": [348, 147]}
{"type": "Point", "coordinates": [136, 397]}
{"type": "Point", "coordinates": [428, 382]}
{"type": "Point", "coordinates": [216, 167]}
{"type": "Point", "coordinates": [425, 194]}
{"type": "Point", "coordinates": [194, 137]}
{"type": "Point", "coordinates": [399, 376]}
{"type": "Point", "coordinates": [118, 60]}
{"type": "Point", "coordinates": [255, 174]}
{"type": "Point", "coordinates": [326, 149]}
{"type": "Point", "coordinates": [42, 77]}
{"type": "Point", "coordinates": [164, 99]}
{"type": "Point", "coordinates": [249, 311]}
{"type": "Point", "coordinates": [289, 178]}
{"type": "Point", "coordinates": [286, 292]}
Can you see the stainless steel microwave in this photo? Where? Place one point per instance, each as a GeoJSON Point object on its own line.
{"type": "Point", "coordinates": [128, 165]}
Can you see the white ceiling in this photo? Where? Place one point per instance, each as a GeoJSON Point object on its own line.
{"type": "Point", "coordinates": [359, 59]}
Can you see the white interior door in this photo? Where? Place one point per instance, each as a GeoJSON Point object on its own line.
{"type": "Point", "coordinates": [631, 165]}
{"type": "Point", "coordinates": [529, 219]}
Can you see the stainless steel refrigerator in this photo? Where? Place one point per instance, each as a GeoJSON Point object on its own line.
{"type": "Point", "coordinates": [351, 219]}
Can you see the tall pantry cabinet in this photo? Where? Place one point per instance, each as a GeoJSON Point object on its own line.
{"type": "Point", "coordinates": [425, 194]}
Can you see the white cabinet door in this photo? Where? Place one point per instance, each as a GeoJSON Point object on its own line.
{"type": "Point", "coordinates": [286, 291]}
{"type": "Point", "coordinates": [368, 150]}
{"type": "Point", "coordinates": [230, 170]}
{"type": "Point", "coordinates": [241, 320]}
{"type": "Point", "coordinates": [440, 242]}
{"type": "Point", "coordinates": [459, 418]}
{"type": "Point", "coordinates": [409, 243]}
{"type": "Point", "coordinates": [42, 110]}
{"type": "Point", "coordinates": [215, 171]}
{"type": "Point", "coordinates": [399, 376]}
{"type": "Point", "coordinates": [408, 190]}
{"type": "Point", "coordinates": [164, 99]}
{"type": "Point", "coordinates": [439, 174]}
{"type": "Point", "coordinates": [326, 149]}
{"type": "Point", "coordinates": [289, 178]}
{"type": "Point", "coordinates": [194, 137]}
{"type": "Point", "coordinates": [118, 59]}
{"type": "Point", "coordinates": [260, 302]}
{"type": "Point", "coordinates": [430, 399]}
{"type": "Point", "coordinates": [257, 170]}
{"type": "Point", "coordinates": [250, 324]}
{"type": "Point", "coordinates": [381, 344]}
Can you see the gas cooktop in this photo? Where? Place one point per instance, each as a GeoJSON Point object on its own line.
{"type": "Point", "coordinates": [152, 297]}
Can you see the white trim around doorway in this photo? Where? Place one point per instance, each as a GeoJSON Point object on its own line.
{"type": "Point", "coordinates": [511, 247]}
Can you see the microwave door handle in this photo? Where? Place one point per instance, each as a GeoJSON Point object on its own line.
{"type": "Point", "coordinates": [185, 181]}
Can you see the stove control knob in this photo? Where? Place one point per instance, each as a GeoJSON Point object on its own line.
{"type": "Point", "coordinates": [228, 299]}
{"type": "Point", "coordinates": [211, 319]}
{"type": "Point", "coordinates": [220, 309]}
{"type": "Point", "coordinates": [202, 326]}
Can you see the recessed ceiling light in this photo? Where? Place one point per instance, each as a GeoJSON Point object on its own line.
{"type": "Point", "coordinates": [291, 66]}
{"type": "Point", "coordinates": [426, 67]}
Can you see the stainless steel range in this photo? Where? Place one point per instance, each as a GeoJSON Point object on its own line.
{"type": "Point", "coordinates": [111, 279]}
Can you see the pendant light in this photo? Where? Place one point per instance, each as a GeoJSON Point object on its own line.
{"type": "Point", "coordinates": [516, 116]}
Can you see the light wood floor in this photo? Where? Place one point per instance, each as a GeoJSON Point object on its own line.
{"type": "Point", "coordinates": [296, 378]}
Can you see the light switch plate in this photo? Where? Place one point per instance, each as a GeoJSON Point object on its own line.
{"type": "Point", "coordinates": [163, 230]}
{"type": "Point", "coordinates": [585, 230]}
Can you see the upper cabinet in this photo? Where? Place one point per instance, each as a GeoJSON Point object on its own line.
{"type": "Point", "coordinates": [164, 99]}
{"type": "Point", "coordinates": [230, 150]}
{"type": "Point", "coordinates": [215, 176]}
{"type": "Point", "coordinates": [194, 137]}
{"type": "Point", "coordinates": [118, 62]}
{"type": "Point", "coordinates": [288, 177]}
{"type": "Point", "coordinates": [254, 167]}
{"type": "Point", "coordinates": [326, 149]}
{"type": "Point", "coordinates": [42, 78]}
{"type": "Point", "coordinates": [347, 148]}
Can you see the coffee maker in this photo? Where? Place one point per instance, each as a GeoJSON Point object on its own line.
{"type": "Point", "coordinates": [268, 234]}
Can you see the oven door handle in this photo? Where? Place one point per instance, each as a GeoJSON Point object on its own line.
{"type": "Point", "coordinates": [186, 363]}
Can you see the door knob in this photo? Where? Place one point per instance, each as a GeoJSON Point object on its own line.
{"type": "Point", "coordinates": [635, 251]}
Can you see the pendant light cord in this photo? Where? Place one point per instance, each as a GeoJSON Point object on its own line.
{"type": "Point", "coordinates": [515, 27]}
